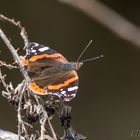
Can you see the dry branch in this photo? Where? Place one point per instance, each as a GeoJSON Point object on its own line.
{"type": "Point", "coordinates": [31, 108]}
{"type": "Point", "coordinates": [9, 66]}
{"type": "Point", "coordinates": [21, 124]}
{"type": "Point", "coordinates": [23, 32]}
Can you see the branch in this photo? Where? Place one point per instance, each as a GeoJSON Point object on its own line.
{"type": "Point", "coordinates": [109, 18]}
{"type": "Point", "coordinates": [9, 66]}
{"type": "Point", "coordinates": [32, 109]}
{"type": "Point", "coordinates": [23, 32]}
{"type": "Point", "coordinates": [22, 88]}
{"type": "Point", "coordinates": [15, 55]}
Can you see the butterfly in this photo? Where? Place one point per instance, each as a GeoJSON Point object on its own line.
{"type": "Point", "coordinates": [50, 72]}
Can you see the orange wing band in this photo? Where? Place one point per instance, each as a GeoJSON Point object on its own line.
{"type": "Point", "coordinates": [34, 58]}
{"type": "Point", "coordinates": [35, 88]}
{"type": "Point", "coordinates": [23, 61]}
{"type": "Point", "coordinates": [66, 83]}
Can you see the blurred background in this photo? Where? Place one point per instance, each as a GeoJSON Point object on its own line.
{"type": "Point", "coordinates": [108, 100]}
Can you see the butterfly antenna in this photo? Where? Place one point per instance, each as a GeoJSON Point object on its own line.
{"type": "Point", "coordinates": [94, 58]}
{"type": "Point", "coordinates": [84, 50]}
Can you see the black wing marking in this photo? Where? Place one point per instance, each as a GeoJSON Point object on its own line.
{"type": "Point", "coordinates": [66, 93]}
{"type": "Point", "coordinates": [33, 49]}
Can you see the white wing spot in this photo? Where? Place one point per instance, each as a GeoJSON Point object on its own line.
{"type": "Point", "coordinates": [36, 44]}
{"type": "Point", "coordinates": [73, 95]}
{"type": "Point", "coordinates": [72, 88]}
{"type": "Point", "coordinates": [63, 92]}
{"type": "Point", "coordinates": [43, 49]}
{"type": "Point", "coordinates": [33, 51]}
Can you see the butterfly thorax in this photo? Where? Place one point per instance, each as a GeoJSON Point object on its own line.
{"type": "Point", "coordinates": [68, 66]}
{"type": "Point", "coordinates": [72, 66]}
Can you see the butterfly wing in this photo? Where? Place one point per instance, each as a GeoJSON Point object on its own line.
{"type": "Point", "coordinates": [66, 87]}
{"type": "Point", "coordinates": [41, 58]}
{"type": "Point", "coordinates": [33, 49]}
{"type": "Point", "coordinates": [36, 52]}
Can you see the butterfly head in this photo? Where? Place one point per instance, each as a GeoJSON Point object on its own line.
{"type": "Point", "coordinates": [77, 65]}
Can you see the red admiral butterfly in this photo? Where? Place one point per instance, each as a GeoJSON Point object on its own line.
{"type": "Point", "coordinates": [50, 72]}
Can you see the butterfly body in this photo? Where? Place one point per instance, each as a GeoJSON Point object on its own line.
{"type": "Point", "coordinates": [50, 72]}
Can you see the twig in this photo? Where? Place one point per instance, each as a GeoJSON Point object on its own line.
{"type": "Point", "coordinates": [9, 66]}
{"type": "Point", "coordinates": [2, 78]}
{"type": "Point", "coordinates": [15, 55]}
{"type": "Point", "coordinates": [7, 87]}
{"type": "Point", "coordinates": [109, 18]}
{"type": "Point", "coordinates": [51, 128]}
{"type": "Point", "coordinates": [20, 121]}
{"type": "Point", "coordinates": [24, 84]}
{"type": "Point", "coordinates": [43, 122]}
{"type": "Point", "coordinates": [23, 32]}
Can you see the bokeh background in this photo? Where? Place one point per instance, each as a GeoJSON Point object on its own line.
{"type": "Point", "coordinates": [107, 105]}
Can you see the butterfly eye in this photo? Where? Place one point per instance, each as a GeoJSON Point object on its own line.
{"type": "Point", "coordinates": [78, 65]}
